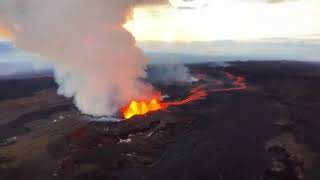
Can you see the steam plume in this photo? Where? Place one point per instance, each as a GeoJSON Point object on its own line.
{"type": "Point", "coordinates": [96, 61]}
{"type": "Point", "coordinates": [170, 73]}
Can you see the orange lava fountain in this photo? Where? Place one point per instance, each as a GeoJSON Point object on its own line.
{"type": "Point", "coordinates": [199, 93]}
{"type": "Point", "coordinates": [142, 108]}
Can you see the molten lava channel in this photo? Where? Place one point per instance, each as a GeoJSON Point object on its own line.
{"type": "Point", "coordinates": [199, 93]}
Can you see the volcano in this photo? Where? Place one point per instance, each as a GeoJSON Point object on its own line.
{"type": "Point", "coordinates": [250, 120]}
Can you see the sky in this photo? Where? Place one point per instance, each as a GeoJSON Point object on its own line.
{"type": "Point", "coordinates": [209, 20]}
{"type": "Point", "coordinates": [254, 29]}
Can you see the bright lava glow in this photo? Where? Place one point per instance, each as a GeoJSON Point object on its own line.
{"type": "Point", "coordinates": [141, 108]}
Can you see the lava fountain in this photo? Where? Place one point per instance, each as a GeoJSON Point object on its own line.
{"type": "Point", "coordinates": [142, 107]}
{"type": "Point", "coordinates": [145, 106]}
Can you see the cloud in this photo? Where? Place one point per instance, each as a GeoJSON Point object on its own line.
{"type": "Point", "coordinates": [280, 1]}
{"type": "Point", "coordinates": [169, 73]}
{"type": "Point", "coordinates": [269, 1]}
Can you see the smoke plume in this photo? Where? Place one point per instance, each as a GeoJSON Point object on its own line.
{"type": "Point", "coordinates": [96, 60]}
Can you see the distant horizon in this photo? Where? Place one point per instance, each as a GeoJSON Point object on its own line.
{"type": "Point", "coordinates": [268, 48]}
{"type": "Point", "coordinates": [311, 37]}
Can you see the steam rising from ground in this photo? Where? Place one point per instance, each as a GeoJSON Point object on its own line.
{"type": "Point", "coordinates": [96, 61]}
{"type": "Point", "coordinates": [170, 73]}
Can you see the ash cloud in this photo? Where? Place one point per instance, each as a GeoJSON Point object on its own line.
{"type": "Point", "coordinates": [95, 59]}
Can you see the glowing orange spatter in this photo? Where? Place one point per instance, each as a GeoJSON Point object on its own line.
{"type": "Point", "coordinates": [142, 107]}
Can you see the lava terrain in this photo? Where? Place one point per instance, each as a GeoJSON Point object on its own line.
{"type": "Point", "coordinates": [248, 121]}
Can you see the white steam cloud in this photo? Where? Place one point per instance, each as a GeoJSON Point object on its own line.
{"type": "Point", "coordinates": [170, 73]}
{"type": "Point", "coordinates": [96, 60]}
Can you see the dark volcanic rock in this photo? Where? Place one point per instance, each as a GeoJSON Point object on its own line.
{"type": "Point", "coordinates": [269, 131]}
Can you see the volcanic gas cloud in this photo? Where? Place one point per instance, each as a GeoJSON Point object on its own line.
{"type": "Point", "coordinates": [96, 61]}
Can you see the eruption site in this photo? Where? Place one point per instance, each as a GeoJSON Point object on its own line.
{"type": "Point", "coordinates": [198, 93]}
{"type": "Point", "coordinates": [96, 61]}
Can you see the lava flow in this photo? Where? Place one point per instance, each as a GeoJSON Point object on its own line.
{"type": "Point", "coordinates": [199, 93]}
{"type": "Point", "coordinates": [238, 82]}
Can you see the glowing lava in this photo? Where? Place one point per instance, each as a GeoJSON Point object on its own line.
{"type": "Point", "coordinates": [142, 107]}
{"type": "Point", "coordinates": [197, 93]}
{"type": "Point", "coordinates": [238, 82]}
{"type": "Point", "coordinates": [145, 106]}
